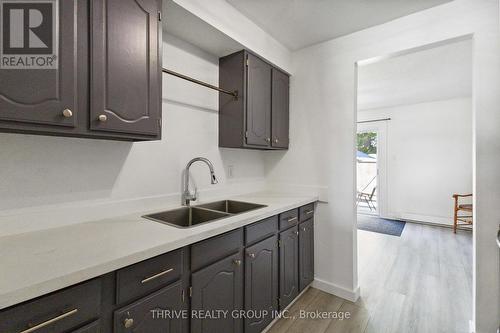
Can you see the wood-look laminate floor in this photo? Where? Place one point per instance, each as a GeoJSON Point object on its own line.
{"type": "Point", "coordinates": [420, 282]}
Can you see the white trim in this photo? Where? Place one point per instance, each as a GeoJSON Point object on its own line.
{"type": "Point", "coordinates": [336, 290]}
{"type": "Point", "coordinates": [426, 218]}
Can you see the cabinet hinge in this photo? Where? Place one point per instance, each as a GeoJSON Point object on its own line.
{"type": "Point", "coordinates": [159, 122]}
{"type": "Point", "coordinates": [279, 245]}
{"type": "Point", "coordinates": [159, 16]}
{"type": "Point", "coordinates": [190, 291]}
{"type": "Point", "coordinates": [183, 296]}
{"type": "Point", "coordinates": [248, 62]}
{"type": "Point", "coordinates": [246, 134]}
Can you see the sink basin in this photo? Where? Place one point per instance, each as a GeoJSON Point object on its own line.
{"type": "Point", "coordinates": [231, 206]}
{"type": "Point", "coordinates": [186, 217]}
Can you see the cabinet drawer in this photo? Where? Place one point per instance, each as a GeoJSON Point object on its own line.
{"type": "Point", "coordinates": [289, 218]}
{"type": "Point", "coordinates": [58, 312]}
{"type": "Point", "coordinates": [261, 229]}
{"type": "Point", "coordinates": [306, 212]}
{"type": "Point", "coordinates": [215, 248]}
{"type": "Point", "coordinates": [142, 278]}
{"type": "Point", "coordinates": [153, 313]}
{"type": "Point", "coordinates": [90, 328]}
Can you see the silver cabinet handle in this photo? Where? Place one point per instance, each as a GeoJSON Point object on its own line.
{"type": "Point", "coordinates": [67, 113]}
{"type": "Point", "coordinates": [296, 232]}
{"type": "Point", "coordinates": [276, 140]}
{"type": "Point", "coordinates": [309, 212]}
{"type": "Point", "coordinates": [50, 321]}
{"type": "Point", "coordinates": [102, 117]}
{"type": "Point", "coordinates": [291, 219]}
{"type": "Point", "coordinates": [304, 229]}
{"type": "Point", "coordinates": [128, 322]}
{"type": "Point", "coordinates": [157, 275]}
{"type": "Point", "coordinates": [498, 238]}
{"type": "Point", "coordinates": [237, 262]}
{"type": "Point", "coordinates": [268, 139]}
{"type": "Point", "coordinates": [251, 255]}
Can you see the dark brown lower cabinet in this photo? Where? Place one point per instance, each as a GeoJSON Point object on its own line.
{"type": "Point", "coordinates": [256, 268]}
{"type": "Point", "coordinates": [261, 283]}
{"type": "Point", "coordinates": [289, 271]}
{"type": "Point", "coordinates": [306, 253]}
{"type": "Point", "coordinates": [61, 311]}
{"type": "Point", "coordinates": [217, 291]}
{"type": "Point", "coordinates": [160, 312]}
{"type": "Point", "coordinates": [94, 327]}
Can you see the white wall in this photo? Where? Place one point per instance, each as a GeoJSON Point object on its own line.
{"type": "Point", "coordinates": [323, 131]}
{"type": "Point", "coordinates": [39, 171]}
{"type": "Point", "coordinates": [225, 18]}
{"type": "Point", "coordinates": [429, 157]}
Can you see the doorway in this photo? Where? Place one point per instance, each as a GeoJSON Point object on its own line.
{"type": "Point", "coordinates": [415, 140]}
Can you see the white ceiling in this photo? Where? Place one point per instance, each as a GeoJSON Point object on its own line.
{"type": "Point", "coordinates": [300, 23]}
{"type": "Point", "coordinates": [438, 73]}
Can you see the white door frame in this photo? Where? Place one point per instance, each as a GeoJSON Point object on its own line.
{"type": "Point", "coordinates": [382, 194]}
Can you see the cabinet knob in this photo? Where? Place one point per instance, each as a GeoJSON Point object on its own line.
{"type": "Point", "coordinates": [102, 117]}
{"type": "Point", "coordinates": [296, 232]}
{"type": "Point", "coordinates": [268, 139]}
{"type": "Point", "coordinates": [251, 255]}
{"type": "Point", "coordinates": [237, 262]}
{"type": "Point", "coordinates": [276, 140]}
{"type": "Point", "coordinates": [128, 322]}
{"type": "Point", "coordinates": [304, 229]}
{"type": "Point", "coordinates": [67, 113]}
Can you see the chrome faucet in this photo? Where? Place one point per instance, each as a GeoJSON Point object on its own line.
{"type": "Point", "coordinates": [187, 196]}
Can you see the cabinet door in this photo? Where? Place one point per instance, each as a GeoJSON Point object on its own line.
{"type": "Point", "coordinates": [125, 66]}
{"type": "Point", "coordinates": [160, 312]}
{"type": "Point", "coordinates": [218, 287]}
{"type": "Point", "coordinates": [289, 273]}
{"type": "Point", "coordinates": [261, 282]}
{"type": "Point", "coordinates": [280, 109]}
{"type": "Point", "coordinates": [40, 96]}
{"type": "Point", "coordinates": [90, 328]}
{"type": "Point", "coordinates": [306, 253]}
{"type": "Point", "coordinates": [258, 112]}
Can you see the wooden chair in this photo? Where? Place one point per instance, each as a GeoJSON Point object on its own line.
{"type": "Point", "coordinates": [463, 219]}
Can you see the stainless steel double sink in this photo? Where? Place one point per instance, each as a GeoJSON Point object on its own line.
{"type": "Point", "coordinates": [187, 217]}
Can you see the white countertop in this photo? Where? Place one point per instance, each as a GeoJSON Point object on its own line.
{"type": "Point", "coordinates": [36, 263]}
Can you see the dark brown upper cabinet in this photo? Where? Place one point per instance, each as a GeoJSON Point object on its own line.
{"type": "Point", "coordinates": [125, 74]}
{"type": "Point", "coordinates": [280, 106]}
{"type": "Point", "coordinates": [45, 96]}
{"type": "Point", "coordinates": [258, 118]}
{"type": "Point", "coordinates": [107, 82]}
{"type": "Point", "coordinates": [258, 115]}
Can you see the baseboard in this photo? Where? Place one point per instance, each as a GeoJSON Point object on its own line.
{"type": "Point", "coordinates": [439, 220]}
{"type": "Point", "coordinates": [439, 225]}
{"type": "Point", "coordinates": [328, 287]}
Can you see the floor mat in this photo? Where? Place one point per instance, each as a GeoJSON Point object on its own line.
{"type": "Point", "coordinates": [380, 225]}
